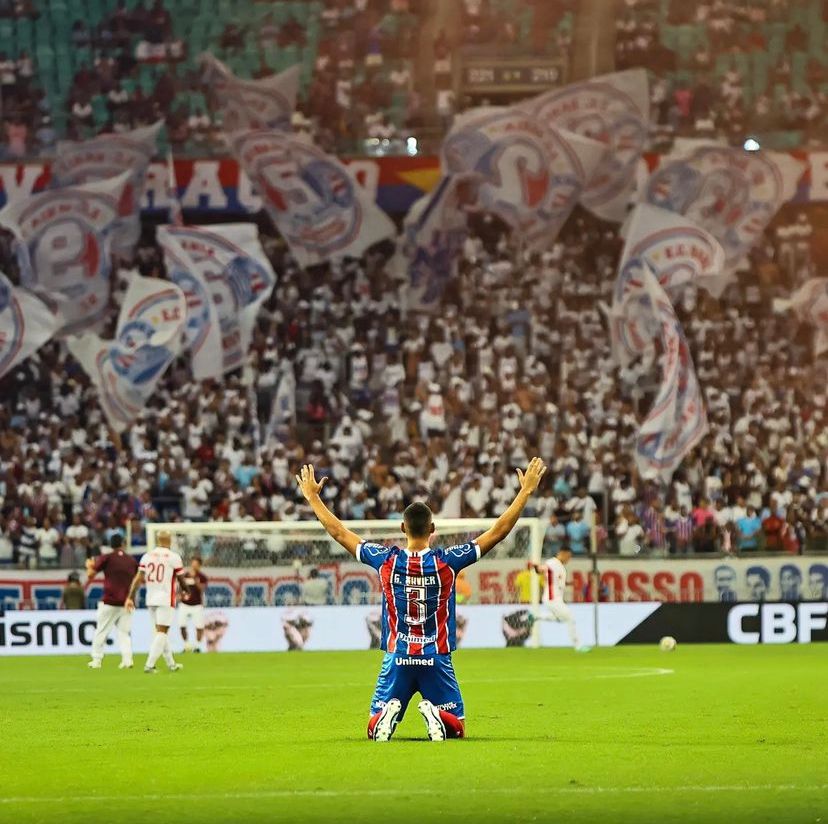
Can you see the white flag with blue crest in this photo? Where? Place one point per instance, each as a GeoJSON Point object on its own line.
{"type": "Point", "coordinates": [26, 323]}
{"type": "Point", "coordinates": [149, 335]}
{"type": "Point", "coordinates": [315, 202]}
{"type": "Point", "coordinates": [432, 239]}
{"type": "Point", "coordinates": [676, 251]}
{"type": "Point", "coordinates": [63, 242]}
{"type": "Point", "coordinates": [532, 174]}
{"type": "Point", "coordinates": [225, 276]}
{"type": "Point", "coordinates": [677, 420]}
{"type": "Point", "coordinates": [107, 156]}
{"type": "Point", "coordinates": [732, 193]}
{"type": "Point", "coordinates": [613, 109]}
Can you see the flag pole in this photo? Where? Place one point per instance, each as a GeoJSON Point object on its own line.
{"type": "Point", "coordinates": [176, 216]}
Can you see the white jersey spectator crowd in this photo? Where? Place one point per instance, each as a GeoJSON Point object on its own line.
{"type": "Point", "coordinates": [395, 406]}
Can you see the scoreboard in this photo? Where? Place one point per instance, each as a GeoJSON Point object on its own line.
{"type": "Point", "coordinates": [528, 75]}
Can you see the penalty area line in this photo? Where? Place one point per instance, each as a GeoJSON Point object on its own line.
{"type": "Point", "coordinates": [397, 792]}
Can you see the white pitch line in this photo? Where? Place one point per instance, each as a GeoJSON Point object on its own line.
{"type": "Point", "coordinates": [400, 792]}
{"type": "Point", "coordinates": [641, 672]}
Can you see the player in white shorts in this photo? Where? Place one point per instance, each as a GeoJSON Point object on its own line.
{"type": "Point", "coordinates": [191, 606]}
{"type": "Point", "coordinates": [159, 569]}
{"type": "Point", "coordinates": [554, 607]}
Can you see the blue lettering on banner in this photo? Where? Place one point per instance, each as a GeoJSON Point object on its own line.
{"type": "Point", "coordinates": [254, 595]}
{"type": "Point", "coordinates": [220, 595]}
{"type": "Point", "coordinates": [47, 597]}
{"type": "Point", "coordinates": [94, 593]}
{"type": "Point", "coordinates": [286, 593]}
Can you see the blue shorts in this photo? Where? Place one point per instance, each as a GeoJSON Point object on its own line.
{"type": "Point", "coordinates": [431, 675]}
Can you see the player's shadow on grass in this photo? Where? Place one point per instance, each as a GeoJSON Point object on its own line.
{"type": "Point", "coordinates": [422, 739]}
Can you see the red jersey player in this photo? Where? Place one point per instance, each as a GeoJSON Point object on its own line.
{"type": "Point", "coordinates": [191, 607]}
{"type": "Point", "coordinates": [119, 570]}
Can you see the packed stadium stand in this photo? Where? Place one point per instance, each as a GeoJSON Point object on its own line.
{"type": "Point", "coordinates": [439, 408]}
{"type": "Point", "coordinates": [392, 407]}
{"type": "Point", "coordinates": [737, 68]}
{"type": "Point", "coordinates": [76, 68]}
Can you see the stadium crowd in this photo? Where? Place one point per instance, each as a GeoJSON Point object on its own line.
{"type": "Point", "coordinates": [731, 68]}
{"type": "Point", "coordinates": [395, 407]}
{"type": "Point", "coordinates": [135, 63]}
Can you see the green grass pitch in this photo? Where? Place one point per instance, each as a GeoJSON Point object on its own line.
{"type": "Point", "coordinates": [625, 734]}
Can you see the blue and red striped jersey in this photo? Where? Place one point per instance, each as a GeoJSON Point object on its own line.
{"type": "Point", "coordinates": [418, 595]}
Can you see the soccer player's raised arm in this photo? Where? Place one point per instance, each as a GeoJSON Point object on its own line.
{"type": "Point", "coordinates": [529, 481]}
{"type": "Point", "coordinates": [310, 488]}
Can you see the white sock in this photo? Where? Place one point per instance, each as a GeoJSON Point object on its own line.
{"type": "Point", "coordinates": [125, 643]}
{"type": "Point", "coordinates": [156, 648]}
{"type": "Point", "coordinates": [573, 633]}
{"type": "Point", "coordinates": [168, 656]}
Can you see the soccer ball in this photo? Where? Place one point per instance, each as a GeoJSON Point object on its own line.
{"type": "Point", "coordinates": [667, 643]}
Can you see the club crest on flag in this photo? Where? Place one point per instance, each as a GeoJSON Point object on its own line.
{"type": "Point", "coordinates": [107, 156]}
{"type": "Point", "coordinates": [127, 369]}
{"type": "Point", "coordinates": [62, 244]}
{"type": "Point", "coordinates": [26, 324]}
{"type": "Point", "coordinates": [314, 201]}
{"type": "Point", "coordinates": [612, 110]}
{"type": "Point", "coordinates": [676, 252]}
{"type": "Point", "coordinates": [532, 175]}
{"type": "Point", "coordinates": [673, 248]}
{"type": "Point", "coordinates": [225, 277]}
{"type": "Point", "coordinates": [731, 193]}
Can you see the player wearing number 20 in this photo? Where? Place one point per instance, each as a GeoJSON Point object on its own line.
{"type": "Point", "coordinates": [159, 569]}
{"type": "Point", "coordinates": [418, 621]}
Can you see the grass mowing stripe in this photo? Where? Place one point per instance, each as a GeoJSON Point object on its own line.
{"type": "Point", "coordinates": [318, 792]}
{"type": "Point", "coordinates": [644, 672]}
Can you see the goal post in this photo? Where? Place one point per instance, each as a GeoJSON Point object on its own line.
{"type": "Point", "coordinates": [257, 546]}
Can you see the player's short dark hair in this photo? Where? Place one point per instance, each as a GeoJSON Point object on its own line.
{"type": "Point", "coordinates": [418, 518]}
{"type": "Point", "coordinates": [565, 548]}
{"type": "Point", "coordinates": [761, 572]}
{"type": "Point", "coordinates": [197, 558]}
{"type": "Point", "coordinates": [792, 568]}
{"type": "Point", "coordinates": [116, 541]}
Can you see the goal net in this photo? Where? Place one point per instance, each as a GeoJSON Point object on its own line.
{"type": "Point", "coordinates": [265, 563]}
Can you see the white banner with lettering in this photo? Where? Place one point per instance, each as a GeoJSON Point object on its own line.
{"type": "Point", "coordinates": [283, 629]}
{"type": "Point", "coordinates": [492, 582]}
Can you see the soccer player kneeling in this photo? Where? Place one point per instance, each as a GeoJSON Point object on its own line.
{"type": "Point", "coordinates": [418, 618]}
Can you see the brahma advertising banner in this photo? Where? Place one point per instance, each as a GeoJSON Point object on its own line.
{"type": "Point", "coordinates": [217, 184]}
{"type": "Point", "coordinates": [668, 580]}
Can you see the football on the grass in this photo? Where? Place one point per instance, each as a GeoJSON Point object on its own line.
{"type": "Point", "coordinates": [667, 643]}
